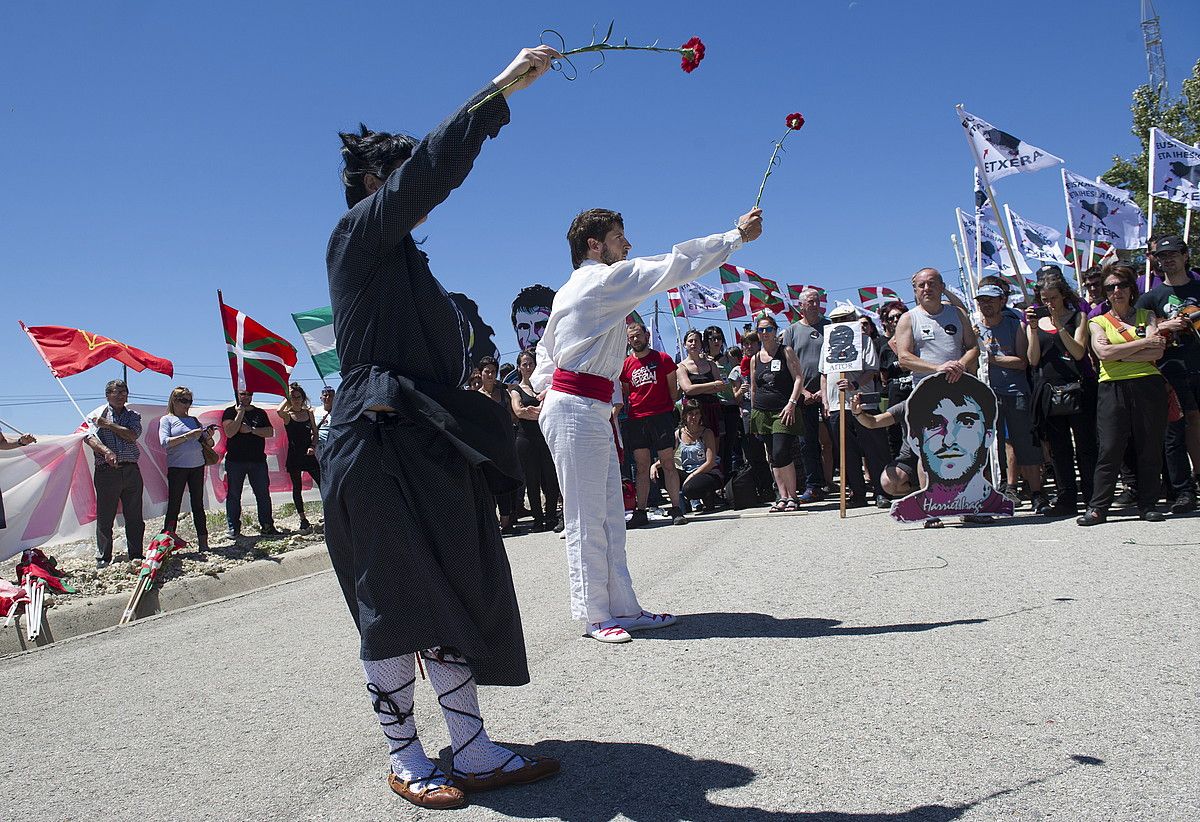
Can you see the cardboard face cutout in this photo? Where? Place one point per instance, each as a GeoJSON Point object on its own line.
{"type": "Point", "coordinates": [951, 427]}
{"type": "Point", "coordinates": [530, 311]}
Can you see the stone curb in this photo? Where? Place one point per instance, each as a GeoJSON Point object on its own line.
{"type": "Point", "coordinates": [95, 614]}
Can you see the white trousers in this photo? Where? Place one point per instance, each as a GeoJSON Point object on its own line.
{"type": "Point", "coordinates": [580, 437]}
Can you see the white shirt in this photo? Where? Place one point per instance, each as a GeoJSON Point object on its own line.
{"type": "Point", "coordinates": [586, 330]}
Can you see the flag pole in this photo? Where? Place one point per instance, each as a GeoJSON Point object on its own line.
{"type": "Point", "coordinates": [1075, 255]}
{"type": "Point", "coordinates": [842, 452]}
{"type": "Point", "coordinates": [12, 428]}
{"type": "Point", "coordinates": [971, 274]}
{"type": "Point", "coordinates": [987, 188]}
{"type": "Point", "coordinates": [1187, 216]}
{"type": "Point", "coordinates": [962, 275]}
{"type": "Point", "coordinates": [239, 382]}
{"type": "Point", "coordinates": [1149, 208]}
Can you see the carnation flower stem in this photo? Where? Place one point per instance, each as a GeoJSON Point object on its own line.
{"type": "Point", "coordinates": [569, 53]}
{"type": "Point", "coordinates": [770, 165]}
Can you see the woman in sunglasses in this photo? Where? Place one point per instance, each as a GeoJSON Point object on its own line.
{"type": "Point", "coordinates": [1132, 397]}
{"type": "Point", "coordinates": [181, 434]}
{"type": "Point", "coordinates": [775, 382]}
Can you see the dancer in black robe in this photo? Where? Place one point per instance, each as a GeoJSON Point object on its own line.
{"type": "Point", "coordinates": [412, 460]}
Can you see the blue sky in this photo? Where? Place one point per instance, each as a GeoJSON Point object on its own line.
{"type": "Point", "coordinates": [155, 152]}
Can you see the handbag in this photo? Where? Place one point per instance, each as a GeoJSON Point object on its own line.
{"type": "Point", "coordinates": [211, 457]}
{"type": "Point", "coordinates": [1064, 400]}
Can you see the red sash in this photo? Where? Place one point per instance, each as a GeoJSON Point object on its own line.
{"type": "Point", "coordinates": [582, 385]}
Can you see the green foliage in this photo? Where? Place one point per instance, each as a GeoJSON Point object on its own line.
{"type": "Point", "coordinates": [1179, 118]}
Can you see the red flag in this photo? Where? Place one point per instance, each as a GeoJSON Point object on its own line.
{"type": "Point", "coordinates": [69, 351]}
{"type": "Point", "coordinates": [259, 360]}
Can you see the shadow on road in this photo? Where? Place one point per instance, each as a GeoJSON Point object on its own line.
{"type": "Point", "coordinates": [765, 626]}
{"type": "Point", "coordinates": [648, 783]}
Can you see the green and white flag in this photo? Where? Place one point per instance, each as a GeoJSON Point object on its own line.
{"type": "Point", "coordinates": [316, 326]}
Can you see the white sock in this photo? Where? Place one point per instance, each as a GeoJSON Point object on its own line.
{"type": "Point", "coordinates": [391, 682]}
{"type": "Point", "coordinates": [472, 751]}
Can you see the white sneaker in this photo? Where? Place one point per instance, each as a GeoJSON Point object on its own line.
{"type": "Point", "coordinates": [609, 631]}
{"type": "Point", "coordinates": [646, 621]}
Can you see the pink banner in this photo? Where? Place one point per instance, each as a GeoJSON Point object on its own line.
{"type": "Point", "coordinates": [50, 498]}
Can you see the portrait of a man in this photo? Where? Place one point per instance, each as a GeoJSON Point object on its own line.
{"type": "Point", "coordinates": [530, 311]}
{"type": "Point", "coordinates": [951, 426]}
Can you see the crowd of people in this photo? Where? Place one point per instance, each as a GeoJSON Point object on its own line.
{"type": "Point", "coordinates": [1092, 389]}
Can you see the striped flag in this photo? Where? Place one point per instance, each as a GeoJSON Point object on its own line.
{"type": "Point", "coordinates": [763, 294]}
{"type": "Point", "coordinates": [316, 327]}
{"type": "Point", "coordinates": [735, 292]}
{"type": "Point", "coordinates": [873, 296]}
{"type": "Point", "coordinates": [1102, 252]}
{"type": "Point", "coordinates": [259, 359]}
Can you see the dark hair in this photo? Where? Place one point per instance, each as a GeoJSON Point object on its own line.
{"type": "Point", "coordinates": [714, 331]}
{"type": "Point", "coordinates": [768, 318]}
{"type": "Point", "coordinates": [890, 306]}
{"type": "Point", "coordinates": [1057, 282]}
{"type": "Point", "coordinates": [734, 352]}
{"type": "Point", "coordinates": [531, 353]}
{"type": "Point", "coordinates": [751, 337]}
{"type": "Point", "coordinates": [371, 152]}
{"type": "Point", "coordinates": [688, 407]}
{"type": "Point", "coordinates": [484, 362]}
{"type": "Point", "coordinates": [593, 224]}
{"type": "Point", "coordinates": [295, 386]}
{"type": "Point", "coordinates": [874, 332]}
{"type": "Point", "coordinates": [532, 296]}
{"type": "Point", "coordinates": [1126, 273]}
{"type": "Point", "coordinates": [113, 385]}
{"type": "Point", "coordinates": [922, 402]}
{"type": "Point", "coordinates": [1094, 272]}
{"type": "Point", "coordinates": [694, 331]}
{"type": "Point", "coordinates": [642, 326]}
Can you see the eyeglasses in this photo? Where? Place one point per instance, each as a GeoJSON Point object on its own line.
{"type": "Point", "coordinates": [1111, 287]}
{"type": "Point", "coordinates": [767, 329]}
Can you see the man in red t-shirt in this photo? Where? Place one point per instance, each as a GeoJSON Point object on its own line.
{"type": "Point", "coordinates": [649, 383]}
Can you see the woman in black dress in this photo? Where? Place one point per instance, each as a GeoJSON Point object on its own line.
{"type": "Point", "coordinates": [412, 460]}
{"type": "Point", "coordinates": [300, 425]}
{"type": "Point", "coordinates": [536, 461]}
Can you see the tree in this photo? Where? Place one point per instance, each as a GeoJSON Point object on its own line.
{"type": "Point", "coordinates": [1179, 118]}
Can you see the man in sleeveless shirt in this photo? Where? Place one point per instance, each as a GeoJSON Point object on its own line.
{"type": "Point", "coordinates": [935, 337]}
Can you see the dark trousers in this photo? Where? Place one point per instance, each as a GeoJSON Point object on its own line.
{"type": "Point", "coordinates": [540, 479]}
{"type": "Point", "coordinates": [1127, 410]}
{"type": "Point", "coordinates": [756, 454]}
{"type": "Point", "coordinates": [702, 486]}
{"type": "Point", "coordinates": [193, 480]}
{"type": "Point", "coordinates": [296, 473]}
{"type": "Point", "coordinates": [121, 484]}
{"type": "Point", "coordinates": [731, 439]}
{"type": "Point", "coordinates": [810, 447]}
{"type": "Point", "coordinates": [236, 474]}
{"type": "Point", "coordinates": [1178, 461]}
{"type": "Point", "coordinates": [1066, 455]}
{"type": "Point", "coordinates": [862, 444]}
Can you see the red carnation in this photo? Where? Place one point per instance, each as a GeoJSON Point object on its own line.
{"type": "Point", "coordinates": [693, 53]}
{"type": "Point", "coordinates": [795, 121]}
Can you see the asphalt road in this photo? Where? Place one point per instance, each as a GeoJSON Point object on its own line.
{"type": "Point", "coordinates": [822, 670]}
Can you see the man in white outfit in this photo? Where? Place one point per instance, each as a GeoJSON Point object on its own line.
{"type": "Point", "coordinates": [579, 359]}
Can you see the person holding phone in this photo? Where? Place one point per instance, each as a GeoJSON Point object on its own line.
{"type": "Point", "coordinates": [180, 434]}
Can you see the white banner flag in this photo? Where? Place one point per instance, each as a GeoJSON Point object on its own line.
{"type": "Point", "coordinates": [1176, 170]}
{"type": "Point", "coordinates": [1000, 153]}
{"type": "Point", "coordinates": [992, 250]}
{"type": "Point", "coordinates": [1036, 241]}
{"type": "Point", "coordinates": [698, 298]}
{"type": "Point", "coordinates": [1103, 212]}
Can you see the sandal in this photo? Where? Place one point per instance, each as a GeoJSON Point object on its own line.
{"type": "Point", "coordinates": [779, 506]}
{"type": "Point", "coordinates": [934, 522]}
{"type": "Point", "coordinates": [790, 505]}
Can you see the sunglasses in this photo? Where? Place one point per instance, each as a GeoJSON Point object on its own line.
{"type": "Point", "coordinates": [1111, 287]}
{"type": "Point", "coordinates": [767, 329]}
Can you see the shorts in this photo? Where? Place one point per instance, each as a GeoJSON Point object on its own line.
{"type": "Point", "coordinates": [764, 423]}
{"type": "Point", "coordinates": [1014, 425]}
{"type": "Point", "coordinates": [906, 460]}
{"type": "Point", "coordinates": [653, 433]}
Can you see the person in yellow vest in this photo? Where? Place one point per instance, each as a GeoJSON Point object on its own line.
{"type": "Point", "coordinates": [1132, 398]}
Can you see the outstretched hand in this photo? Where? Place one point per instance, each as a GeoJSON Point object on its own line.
{"type": "Point", "coordinates": [526, 67]}
{"type": "Point", "coordinates": [750, 225]}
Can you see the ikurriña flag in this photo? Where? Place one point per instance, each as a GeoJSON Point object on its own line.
{"type": "Point", "coordinates": [69, 351]}
{"type": "Point", "coordinates": [1000, 153]}
{"type": "Point", "coordinates": [260, 361]}
{"type": "Point", "coordinates": [875, 296]}
{"type": "Point", "coordinates": [795, 290]}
